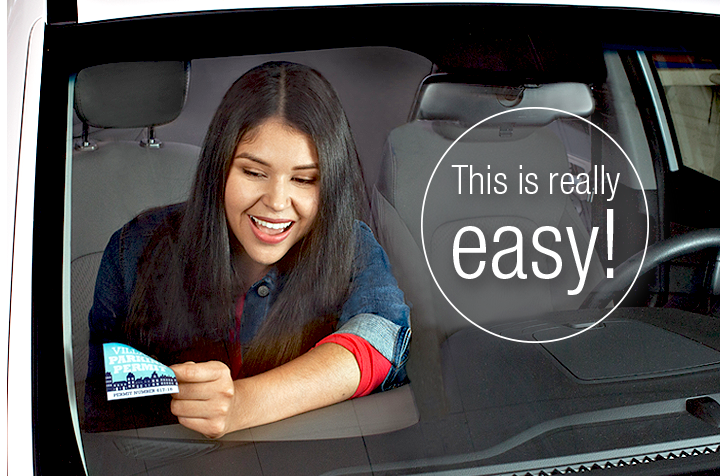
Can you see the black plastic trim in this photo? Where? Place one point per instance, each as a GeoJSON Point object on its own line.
{"type": "Point", "coordinates": [705, 408]}
{"type": "Point", "coordinates": [56, 451]}
{"type": "Point", "coordinates": [62, 12]}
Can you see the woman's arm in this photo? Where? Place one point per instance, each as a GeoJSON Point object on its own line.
{"type": "Point", "coordinates": [211, 403]}
{"type": "Point", "coordinates": [375, 309]}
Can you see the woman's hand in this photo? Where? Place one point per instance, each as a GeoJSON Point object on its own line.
{"type": "Point", "coordinates": [206, 401]}
{"type": "Point", "coordinates": [211, 403]}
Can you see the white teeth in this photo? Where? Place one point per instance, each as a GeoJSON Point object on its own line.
{"type": "Point", "coordinates": [272, 226]}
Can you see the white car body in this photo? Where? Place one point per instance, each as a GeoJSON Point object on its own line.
{"type": "Point", "coordinates": [25, 34]}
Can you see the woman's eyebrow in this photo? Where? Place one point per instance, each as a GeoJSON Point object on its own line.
{"type": "Point", "coordinates": [245, 155]}
{"type": "Point", "coordinates": [306, 167]}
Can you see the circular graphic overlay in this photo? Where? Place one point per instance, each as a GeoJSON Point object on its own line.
{"type": "Point", "coordinates": [506, 222]}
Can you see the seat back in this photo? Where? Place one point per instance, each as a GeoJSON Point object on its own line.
{"type": "Point", "coordinates": [112, 181]}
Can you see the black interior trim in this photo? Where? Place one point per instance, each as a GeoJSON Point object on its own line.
{"type": "Point", "coordinates": [545, 43]}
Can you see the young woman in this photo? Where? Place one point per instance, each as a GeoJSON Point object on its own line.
{"type": "Point", "coordinates": [263, 289]}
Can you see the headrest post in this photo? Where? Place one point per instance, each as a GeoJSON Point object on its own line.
{"type": "Point", "coordinates": [85, 142]}
{"type": "Point", "coordinates": [151, 142]}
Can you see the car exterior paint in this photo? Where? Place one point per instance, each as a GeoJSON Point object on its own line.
{"type": "Point", "coordinates": [25, 34]}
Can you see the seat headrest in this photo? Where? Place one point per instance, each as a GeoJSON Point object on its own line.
{"type": "Point", "coordinates": [442, 99]}
{"type": "Point", "coordinates": [131, 95]}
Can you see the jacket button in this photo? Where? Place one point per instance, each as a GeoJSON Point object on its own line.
{"type": "Point", "coordinates": [263, 291]}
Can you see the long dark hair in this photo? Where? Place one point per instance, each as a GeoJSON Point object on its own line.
{"type": "Point", "coordinates": [187, 287]}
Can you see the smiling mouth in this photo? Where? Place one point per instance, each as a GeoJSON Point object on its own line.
{"type": "Point", "coordinates": [272, 228]}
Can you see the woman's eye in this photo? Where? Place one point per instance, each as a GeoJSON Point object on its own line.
{"type": "Point", "coordinates": [252, 173]}
{"type": "Point", "coordinates": [305, 180]}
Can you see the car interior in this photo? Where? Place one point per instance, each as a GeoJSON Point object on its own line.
{"type": "Point", "coordinates": [609, 365]}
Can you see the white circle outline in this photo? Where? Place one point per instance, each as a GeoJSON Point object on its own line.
{"type": "Point", "coordinates": [647, 225]}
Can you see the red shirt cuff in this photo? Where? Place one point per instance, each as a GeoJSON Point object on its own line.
{"type": "Point", "coordinates": [374, 367]}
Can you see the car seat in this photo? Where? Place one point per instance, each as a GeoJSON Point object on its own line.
{"type": "Point", "coordinates": [524, 141]}
{"type": "Point", "coordinates": [114, 180]}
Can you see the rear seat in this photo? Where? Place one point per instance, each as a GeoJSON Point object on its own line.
{"type": "Point", "coordinates": [112, 181]}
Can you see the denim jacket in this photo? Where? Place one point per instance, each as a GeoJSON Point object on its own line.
{"type": "Point", "coordinates": [375, 309]}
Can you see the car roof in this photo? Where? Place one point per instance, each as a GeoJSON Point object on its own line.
{"type": "Point", "coordinates": [100, 10]}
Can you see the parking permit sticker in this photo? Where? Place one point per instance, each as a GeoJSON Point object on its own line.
{"type": "Point", "coordinates": [131, 374]}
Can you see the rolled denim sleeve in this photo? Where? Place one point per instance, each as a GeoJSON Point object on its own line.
{"type": "Point", "coordinates": [376, 309]}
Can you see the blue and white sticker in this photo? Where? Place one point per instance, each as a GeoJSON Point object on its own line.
{"type": "Point", "coordinates": [131, 374]}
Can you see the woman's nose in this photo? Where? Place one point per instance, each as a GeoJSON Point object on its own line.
{"type": "Point", "coordinates": [277, 196]}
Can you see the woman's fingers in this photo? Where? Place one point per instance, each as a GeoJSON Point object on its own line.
{"type": "Point", "coordinates": [202, 372]}
{"type": "Point", "coordinates": [204, 402]}
{"type": "Point", "coordinates": [195, 391]}
{"type": "Point", "coordinates": [198, 409]}
{"type": "Point", "coordinates": [209, 428]}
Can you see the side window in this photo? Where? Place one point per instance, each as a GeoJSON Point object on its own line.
{"type": "Point", "coordinates": [692, 91]}
{"type": "Point", "coordinates": [691, 87]}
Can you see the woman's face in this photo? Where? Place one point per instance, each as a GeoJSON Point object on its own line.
{"type": "Point", "coordinates": [272, 192]}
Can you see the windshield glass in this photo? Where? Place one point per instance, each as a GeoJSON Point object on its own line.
{"type": "Point", "coordinates": [474, 222]}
